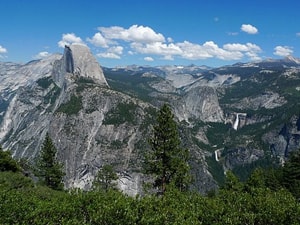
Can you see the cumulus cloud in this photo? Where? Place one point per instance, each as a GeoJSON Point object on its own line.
{"type": "Point", "coordinates": [114, 52]}
{"type": "Point", "coordinates": [41, 55]}
{"type": "Point", "coordinates": [208, 50]}
{"type": "Point", "coordinates": [99, 41]}
{"type": "Point", "coordinates": [248, 28]}
{"type": "Point", "coordinates": [283, 51]}
{"type": "Point", "coordinates": [134, 33]}
{"type": "Point", "coordinates": [192, 51]}
{"type": "Point", "coordinates": [169, 39]}
{"type": "Point", "coordinates": [2, 50]}
{"type": "Point", "coordinates": [68, 39]}
{"type": "Point", "coordinates": [144, 40]}
{"type": "Point", "coordinates": [249, 49]}
{"type": "Point", "coordinates": [149, 59]}
{"type": "Point", "coordinates": [157, 48]}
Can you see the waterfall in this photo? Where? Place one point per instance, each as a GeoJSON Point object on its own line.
{"type": "Point", "coordinates": [236, 122]}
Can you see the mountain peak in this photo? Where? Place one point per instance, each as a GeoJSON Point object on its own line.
{"type": "Point", "coordinates": [292, 59]}
{"type": "Point", "coordinates": [79, 60]}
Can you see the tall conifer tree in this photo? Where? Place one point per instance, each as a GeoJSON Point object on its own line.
{"type": "Point", "coordinates": [167, 160]}
{"type": "Point", "coordinates": [49, 170]}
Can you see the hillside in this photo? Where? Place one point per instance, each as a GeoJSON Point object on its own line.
{"type": "Point", "coordinates": [235, 117]}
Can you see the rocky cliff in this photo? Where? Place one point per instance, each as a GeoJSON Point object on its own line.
{"type": "Point", "coordinates": [233, 117]}
{"type": "Point", "coordinates": [90, 123]}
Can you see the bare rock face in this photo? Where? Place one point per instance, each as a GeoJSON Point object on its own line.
{"type": "Point", "coordinates": [200, 102]}
{"type": "Point", "coordinates": [85, 64]}
{"type": "Point", "coordinates": [77, 61]}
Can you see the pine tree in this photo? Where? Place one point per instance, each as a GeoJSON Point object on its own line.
{"type": "Point", "coordinates": [105, 178]}
{"type": "Point", "coordinates": [167, 160]}
{"type": "Point", "coordinates": [49, 170]}
{"type": "Point", "coordinates": [291, 174]}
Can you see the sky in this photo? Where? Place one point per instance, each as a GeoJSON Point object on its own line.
{"type": "Point", "coordinates": [157, 32]}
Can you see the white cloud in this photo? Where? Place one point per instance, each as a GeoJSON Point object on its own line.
{"type": "Point", "coordinates": [134, 33]}
{"type": "Point", "coordinates": [298, 34]}
{"type": "Point", "coordinates": [249, 49]}
{"type": "Point", "coordinates": [220, 53]}
{"type": "Point", "coordinates": [99, 41]}
{"type": "Point", "coordinates": [114, 52]}
{"type": "Point", "coordinates": [253, 56]}
{"type": "Point", "coordinates": [2, 50]}
{"type": "Point", "coordinates": [248, 28]}
{"type": "Point", "coordinates": [157, 48]}
{"type": "Point", "coordinates": [283, 51]}
{"type": "Point", "coordinates": [41, 55]}
{"type": "Point", "coordinates": [208, 50]}
{"type": "Point", "coordinates": [149, 59]}
{"type": "Point", "coordinates": [144, 40]}
{"type": "Point", "coordinates": [193, 51]}
{"type": "Point", "coordinates": [68, 39]}
{"type": "Point", "coordinates": [169, 39]}
{"type": "Point", "coordinates": [117, 49]}
{"type": "Point", "coordinates": [108, 55]}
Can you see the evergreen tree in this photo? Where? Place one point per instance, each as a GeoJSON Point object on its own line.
{"type": "Point", "coordinates": [49, 170]}
{"type": "Point", "coordinates": [7, 163]}
{"type": "Point", "coordinates": [232, 182]}
{"type": "Point", "coordinates": [105, 178]}
{"type": "Point", "coordinates": [291, 174]}
{"type": "Point", "coordinates": [167, 160]}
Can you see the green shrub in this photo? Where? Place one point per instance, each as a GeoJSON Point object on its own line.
{"type": "Point", "coordinates": [73, 106]}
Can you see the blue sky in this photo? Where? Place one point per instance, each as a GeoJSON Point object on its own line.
{"type": "Point", "coordinates": [157, 32]}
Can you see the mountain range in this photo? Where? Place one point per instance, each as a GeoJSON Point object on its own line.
{"type": "Point", "coordinates": [235, 117]}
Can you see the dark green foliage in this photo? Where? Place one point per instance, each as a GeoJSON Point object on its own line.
{"type": "Point", "coordinates": [15, 180]}
{"type": "Point", "coordinates": [123, 112]}
{"type": "Point", "coordinates": [291, 174]}
{"type": "Point", "coordinates": [83, 83]}
{"type": "Point", "coordinates": [105, 178]}
{"type": "Point", "coordinates": [167, 160]}
{"type": "Point", "coordinates": [216, 169]}
{"type": "Point", "coordinates": [237, 203]}
{"type": "Point", "coordinates": [41, 205]}
{"type": "Point", "coordinates": [71, 107]}
{"type": "Point", "coordinates": [132, 84]}
{"type": "Point", "coordinates": [49, 170]}
{"type": "Point", "coordinates": [7, 163]}
{"type": "Point", "coordinates": [232, 182]}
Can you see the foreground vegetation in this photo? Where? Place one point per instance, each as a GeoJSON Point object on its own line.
{"type": "Point", "coordinates": [22, 202]}
{"type": "Point", "coordinates": [266, 197]}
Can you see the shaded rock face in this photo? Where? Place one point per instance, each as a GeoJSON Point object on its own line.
{"type": "Point", "coordinates": [68, 60]}
{"type": "Point", "coordinates": [284, 139]}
